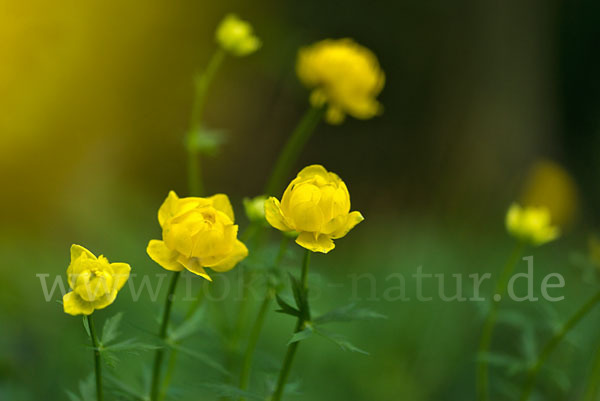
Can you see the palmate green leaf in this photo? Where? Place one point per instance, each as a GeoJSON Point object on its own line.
{"type": "Point", "coordinates": [230, 391]}
{"type": "Point", "coordinates": [301, 298]}
{"type": "Point", "coordinates": [86, 326]}
{"type": "Point", "coordinates": [301, 335]}
{"type": "Point", "coordinates": [87, 388]}
{"type": "Point", "coordinates": [348, 313]}
{"type": "Point", "coordinates": [124, 390]}
{"type": "Point", "coordinates": [189, 326]}
{"type": "Point", "coordinates": [130, 345]}
{"type": "Point", "coordinates": [342, 342]}
{"type": "Point", "coordinates": [72, 396]}
{"type": "Point", "coordinates": [512, 365]}
{"type": "Point", "coordinates": [202, 357]}
{"type": "Point", "coordinates": [286, 308]}
{"type": "Point", "coordinates": [110, 330]}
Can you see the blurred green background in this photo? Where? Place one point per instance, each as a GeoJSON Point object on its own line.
{"type": "Point", "coordinates": [95, 99]}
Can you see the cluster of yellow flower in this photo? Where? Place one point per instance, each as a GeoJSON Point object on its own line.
{"type": "Point", "coordinates": [200, 233]}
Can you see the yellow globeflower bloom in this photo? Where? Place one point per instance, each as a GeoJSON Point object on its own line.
{"type": "Point", "coordinates": [94, 281]}
{"type": "Point", "coordinates": [531, 224]}
{"type": "Point", "coordinates": [316, 204]}
{"type": "Point", "coordinates": [343, 74]}
{"type": "Point", "coordinates": [197, 233]}
{"type": "Point", "coordinates": [236, 37]}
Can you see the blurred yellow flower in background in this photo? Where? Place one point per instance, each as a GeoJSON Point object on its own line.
{"type": "Point", "coordinates": [344, 75]}
{"type": "Point", "coordinates": [531, 225]}
{"type": "Point", "coordinates": [549, 185]}
{"type": "Point", "coordinates": [94, 281]}
{"type": "Point", "coordinates": [236, 36]}
{"type": "Point", "coordinates": [317, 205]}
{"type": "Point", "coordinates": [197, 233]}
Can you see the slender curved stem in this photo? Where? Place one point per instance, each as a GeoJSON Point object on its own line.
{"type": "Point", "coordinates": [293, 347]}
{"type": "Point", "coordinates": [592, 392]}
{"type": "Point", "coordinates": [490, 322]}
{"type": "Point", "coordinates": [293, 147]}
{"type": "Point", "coordinates": [258, 323]}
{"type": "Point", "coordinates": [553, 342]}
{"type": "Point", "coordinates": [97, 361]}
{"type": "Point", "coordinates": [202, 84]}
{"type": "Point", "coordinates": [174, 352]}
{"type": "Point", "coordinates": [160, 353]}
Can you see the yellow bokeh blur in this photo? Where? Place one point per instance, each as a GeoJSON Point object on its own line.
{"type": "Point", "coordinates": [549, 185]}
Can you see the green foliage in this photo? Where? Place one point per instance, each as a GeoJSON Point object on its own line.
{"type": "Point", "coordinates": [230, 391]}
{"type": "Point", "coordinates": [110, 330]}
{"type": "Point", "coordinates": [87, 390]}
{"type": "Point", "coordinates": [348, 313]}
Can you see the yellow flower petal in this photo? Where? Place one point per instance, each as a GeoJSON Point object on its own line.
{"type": "Point", "coordinates": [221, 203]}
{"type": "Point", "coordinates": [78, 250]}
{"type": "Point", "coordinates": [308, 217]}
{"type": "Point", "coordinates": [162, 255]}
{"type": "Point", "coordinates": [315, 242]}
{"type": "Point", "coordinates": [106, 300]}
{"type": "Point", "coordinates": [74, 305]}
{"type": "Point", "coordinates": [353, 219]}
{"type": "Point", "coordinates": [193, 265]}
{"type": "Point", "coordinates": [168, 208]}
{"type": "Point", "coordinates": [120, 274]}
{"type": "Point", "coordinates": [274, 215]}
{"type": "Point", "coordinates": [238, 253]}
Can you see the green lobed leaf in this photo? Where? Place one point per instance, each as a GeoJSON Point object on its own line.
{"type": "Point", "coordinates": [349, 313]}
{"type": "Point", "coordinates": [301, 297]}
{"type": "Point", "coordinates": [286, 308]}
{"type": "Point", "coordinates": [110, 330]}
{"type": "Point", "coordinates": [86, 326]}
{"type": "Point", "coordinates": [87, 388]}
{"type": "Point", "coordinates": [342, 342]}
{"type": "Point", "coordinates": [189, 326]}
{"type": "Point", "coordinates": [230, 391]}
{"type": "Point", "coordinates": [72, 396]}
{"type": "Point", "coordinates": [202, 357]}
{"type": "Point", "coordinates": [301, 335]}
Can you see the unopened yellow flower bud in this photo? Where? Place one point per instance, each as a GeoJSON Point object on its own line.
{"type": "Point", "coordinates": [94, 281]}
{"type": "Point", "coordinates": [255, 208]}
{"type": "Point", "coordinates": [344, 75]}
{"type": "Point", "coordinates": [531, 225]}
{"type": "Point", "coordinates": [197, 233]}
{"type": "Point", "coordinates": [316, 204]}
{"type": "Point", "coordinates": [236, 37]}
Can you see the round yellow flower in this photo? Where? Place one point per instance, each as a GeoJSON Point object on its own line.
{"type": "Point", "coordinates": [197, 233]}
{"type": "Point", "coordinates": [316, 204]}
{"type": "Point", "coordinates": [235, 36]}
{"type": "Point", "coordinates": [343, 74]}
{"type": "Point", "coordinates": [94, 281]}
{"type": "Point", "coordinates": [531, 224]}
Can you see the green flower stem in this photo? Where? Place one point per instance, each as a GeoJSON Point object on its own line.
{"type": "Point", "coordinates": [592, 392]}
{"type": "Point", "coordinates": [490, 322]}
{"type": "Point", "coordinates": [97, 361]}
{"type": "Point", "coordinates": [553, 342]}
{"type": "Point", "coordinates": [293, 147]}
{"type": "Point", "coordinates": [160, 353]}
{"type": "Point", "coordinates": [202, 84]}
{"type": "Point", "coordinates": [174, 352]}
{"type": "Point", "coordinates": [293, 347]}
{"type": "Point", "coordinates": [259, 321]}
